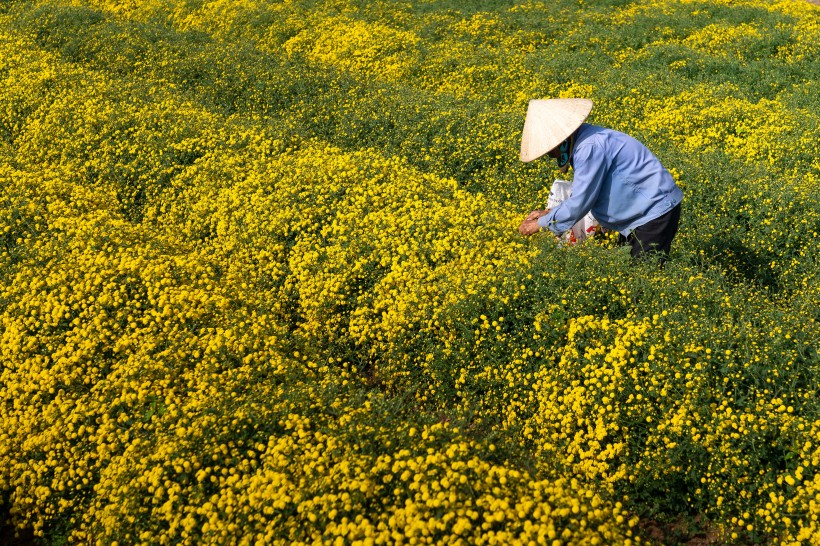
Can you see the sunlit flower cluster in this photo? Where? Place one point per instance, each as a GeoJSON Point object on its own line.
{"type": "Point", "coordinates": [371, 48]}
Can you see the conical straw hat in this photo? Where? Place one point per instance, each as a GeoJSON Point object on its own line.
{"type": "Point", "coordinates": [549, 122]}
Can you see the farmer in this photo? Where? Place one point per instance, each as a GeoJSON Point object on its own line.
{"type": "Point", "coordinates": [616, 178]}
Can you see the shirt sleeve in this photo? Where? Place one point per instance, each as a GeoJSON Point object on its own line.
{"type": "Point", "coordinates": [589, 165]}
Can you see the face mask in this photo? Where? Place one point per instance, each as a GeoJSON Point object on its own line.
{"type": "Point", "coordinates": [563, 153]}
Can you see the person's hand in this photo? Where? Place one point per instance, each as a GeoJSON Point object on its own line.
{"type": "Point", "coordinates": [528, 227]}
{"type": "Point", "coordinates": [536, 214]}
{"type": "Point", "coordinates": [530, 224]}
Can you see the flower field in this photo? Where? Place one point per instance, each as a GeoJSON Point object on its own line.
{"type": "Point", "coordinates": [261, 283]}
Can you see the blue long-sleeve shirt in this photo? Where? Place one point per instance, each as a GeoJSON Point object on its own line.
{"type": "Point", "coordinates": [618, 179]}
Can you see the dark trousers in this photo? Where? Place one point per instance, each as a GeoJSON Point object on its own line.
{"type": "Point", "coordinates": [654, 237]}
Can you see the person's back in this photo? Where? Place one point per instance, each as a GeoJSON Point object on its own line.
{"type": "Point", "coordinates": [621, 181]}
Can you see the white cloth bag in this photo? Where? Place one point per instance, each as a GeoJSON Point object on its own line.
{"type": "Point", "coordinates": [585, 227]}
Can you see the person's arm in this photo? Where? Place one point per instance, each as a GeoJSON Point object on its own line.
{"type": "Point", "coordinates": [590, 166]}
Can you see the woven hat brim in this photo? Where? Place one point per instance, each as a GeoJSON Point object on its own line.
{"type": "Point", "coordinates": [549, 122]}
